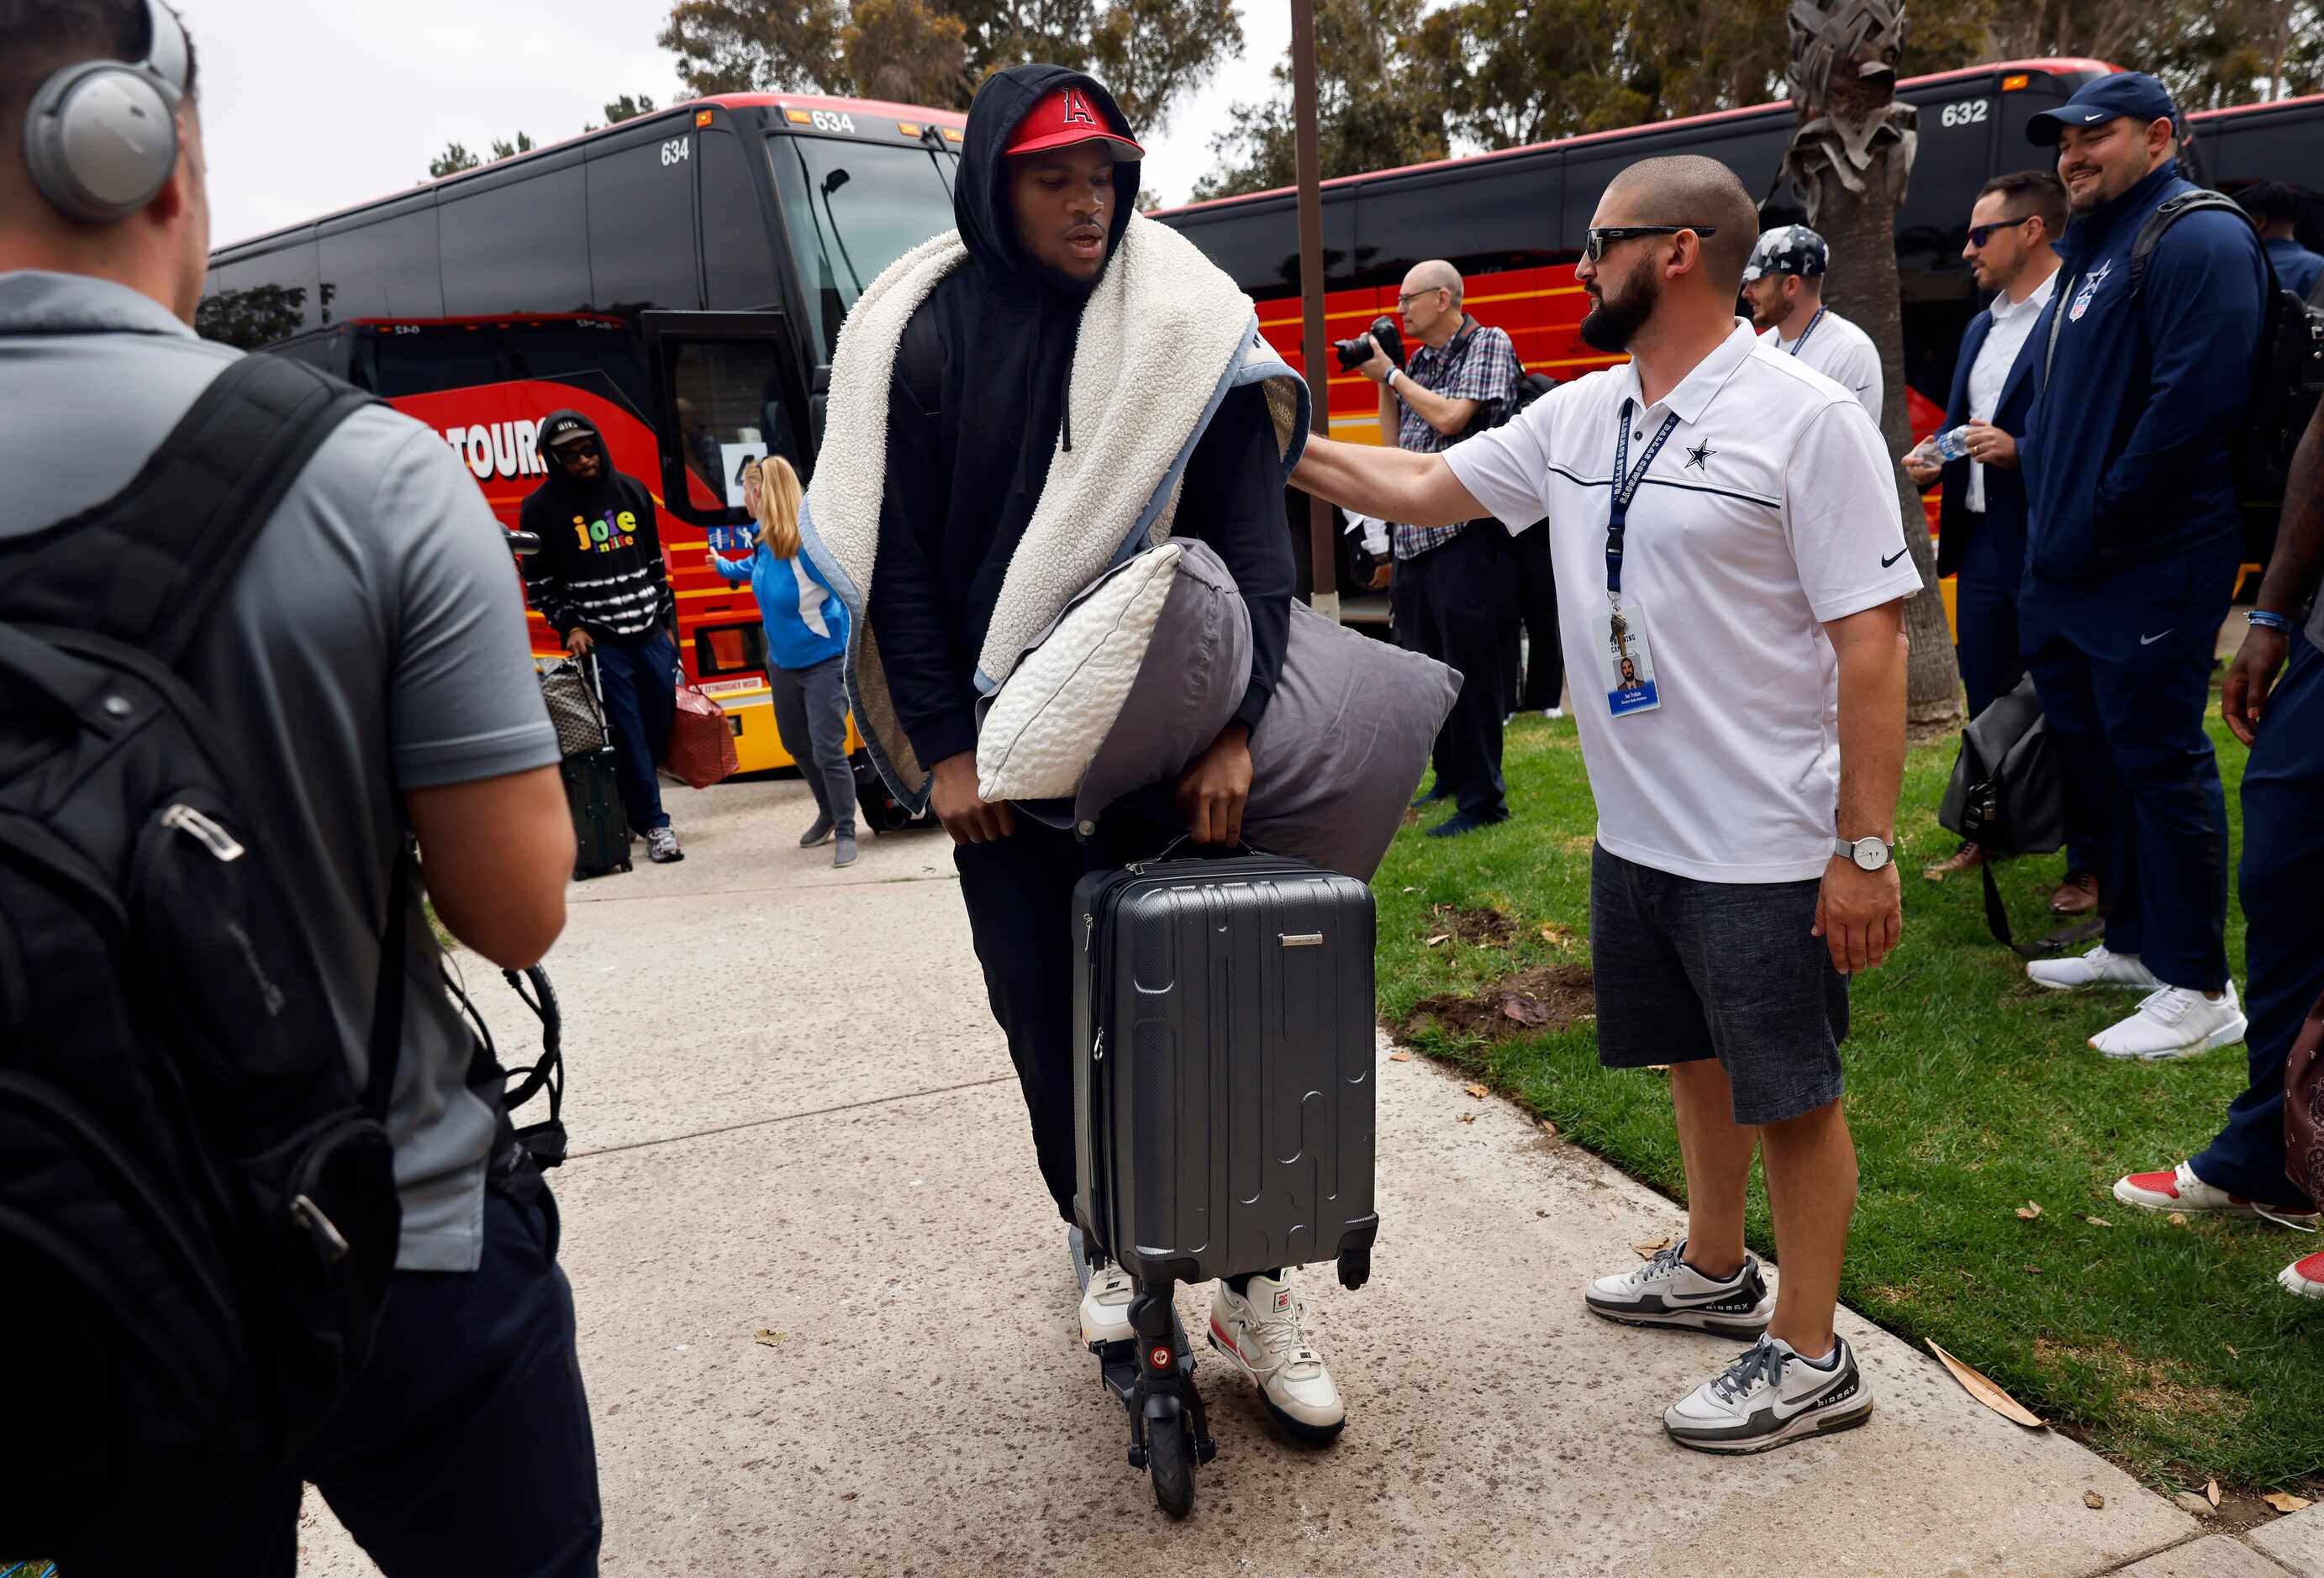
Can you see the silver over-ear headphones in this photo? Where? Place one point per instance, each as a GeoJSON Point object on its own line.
{"type": "Point", "coordinates": [102, 136]}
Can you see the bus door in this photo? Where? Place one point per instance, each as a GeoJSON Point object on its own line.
{"type": "Point", "coordinates": [725, 391]}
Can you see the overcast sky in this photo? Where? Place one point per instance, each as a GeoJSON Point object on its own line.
{"type": "Point", "coordinates": [309, 106]}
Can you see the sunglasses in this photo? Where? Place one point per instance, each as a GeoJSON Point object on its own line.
{"type": "Point", "coordinates": [1594, 243]}
{"type": "Point", "coordinates": [1979, 234]}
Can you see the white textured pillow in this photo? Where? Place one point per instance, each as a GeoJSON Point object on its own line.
{"type": "Point", "coordinates": [1046, 722]}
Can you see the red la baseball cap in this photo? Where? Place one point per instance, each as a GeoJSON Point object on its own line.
{"type": "Point", "coordinates": [1064, 118]}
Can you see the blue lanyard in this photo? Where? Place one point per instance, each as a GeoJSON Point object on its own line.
{"type": "Point", "coordinates": [1625, 487]}
{"type": "Point", "coordinates": [1809, 330]}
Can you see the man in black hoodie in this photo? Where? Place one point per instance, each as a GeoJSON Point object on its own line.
{"type": "Point", "coordinates": [600, 583]}
{"type": "Point", "coordinates": [976, 409]}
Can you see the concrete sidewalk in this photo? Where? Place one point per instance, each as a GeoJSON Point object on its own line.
{"type": "Point", "coordinates": [792, 1115]}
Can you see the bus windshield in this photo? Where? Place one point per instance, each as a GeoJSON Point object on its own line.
{"type": "Point", "coordinates": [851, 208]}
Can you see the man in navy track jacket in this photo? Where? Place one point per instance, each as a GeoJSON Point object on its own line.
{"type": "Point", "coordinates": [2132, 543]}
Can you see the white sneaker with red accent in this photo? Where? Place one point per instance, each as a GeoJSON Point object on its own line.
{"type": "Point", "coordinates": [2304, 1277]}
{"type": "Point", "coordinates": [1260, 1334]}
{"type": "Point", "coordinates": [2181, 1190]}
{"type": "Point", "coordinates": [2175, 1021]}
{"type": "Point", "coordinates": [1106, 1307]}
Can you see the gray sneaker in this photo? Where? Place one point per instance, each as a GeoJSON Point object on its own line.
{"type": "Point", "coordinates": [1668, 1291]}
{"type": "Point", "coordinates": [661, 846]}
{"type": "Point", "coordinates": [1768, 1395]}
{"type": "Point", "coordinates": [819, 833]}
{"type": "Point", "coordinates": [842, 852]}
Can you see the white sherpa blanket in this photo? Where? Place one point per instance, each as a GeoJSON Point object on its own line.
{"type": "Point", "coordinates": [1162, 339]}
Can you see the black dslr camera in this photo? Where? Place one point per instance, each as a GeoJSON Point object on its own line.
{"type": "Point", "coordinates": [1353, 353]}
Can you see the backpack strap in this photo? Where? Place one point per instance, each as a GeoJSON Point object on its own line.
{"type": "Point", "coordinates": [2169, 213]}
{"type": "Point", "coordinates": [148, 566]}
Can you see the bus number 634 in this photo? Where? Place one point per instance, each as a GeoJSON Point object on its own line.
{"type": "Point", "coordinates": [679, 149]}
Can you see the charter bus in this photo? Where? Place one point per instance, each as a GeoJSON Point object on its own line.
{"type": "Point", "coordinates": [682, 277]}
{"type": "Point", "coordinates": [1512, 223]}
{"type": "Point", "coordinates": [684, 272]}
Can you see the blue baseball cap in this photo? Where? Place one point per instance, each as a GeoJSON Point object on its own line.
{"type": "Point", "coordinates": [2103, 98]}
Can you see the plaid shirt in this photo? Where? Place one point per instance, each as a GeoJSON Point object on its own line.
{"type": "Point", "coordinates": [1481, 366]}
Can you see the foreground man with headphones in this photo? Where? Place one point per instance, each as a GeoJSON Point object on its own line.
{"type": "Point", "coordinates": [363, 674]}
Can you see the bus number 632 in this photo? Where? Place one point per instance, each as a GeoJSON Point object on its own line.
{"type": "Point", "coordinates": [1966, 112]}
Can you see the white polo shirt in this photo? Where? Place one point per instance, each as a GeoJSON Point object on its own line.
{"type": "Point", "coordinates": [1842, 353]}
{"type": "Point", "coordinates": [1769, 510]}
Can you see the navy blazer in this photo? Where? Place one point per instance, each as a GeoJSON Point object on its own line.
{"type": "Point", "coordinates": [2005, 487]}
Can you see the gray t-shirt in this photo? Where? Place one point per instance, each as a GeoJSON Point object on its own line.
{"type": "Point", "coordinates": [372, 643]}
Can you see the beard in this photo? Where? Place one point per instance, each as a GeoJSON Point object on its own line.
{"type": "Point", "coordinates": [1620, 314]}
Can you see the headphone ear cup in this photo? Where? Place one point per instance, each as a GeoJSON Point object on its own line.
{"type": "Point", "coordinates": [101, 140]}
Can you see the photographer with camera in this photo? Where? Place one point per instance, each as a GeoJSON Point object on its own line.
{"type": "Point", "coordinates": [1448, 594]}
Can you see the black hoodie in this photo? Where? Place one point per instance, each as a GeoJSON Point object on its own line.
{"type": "Point", "coordinates": [975, 410]}
{"type": "Point", "coordinates": [599, 568]}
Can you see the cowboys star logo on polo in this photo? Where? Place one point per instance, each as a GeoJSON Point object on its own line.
{"type": "Point", "coordinates": [2089, 288]}
{"type": "Point", "coordinates": [1699, 454]}
{"type": "Point", "coordinates": [1078, 109]}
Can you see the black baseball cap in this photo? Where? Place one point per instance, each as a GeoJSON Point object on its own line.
{"type": "Point", "coordinates": [567, 430]}
{"type": "Point", "coordinates": [2104, 98]}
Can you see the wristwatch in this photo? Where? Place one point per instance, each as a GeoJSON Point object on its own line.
{"type": "Point", "coordinates": [1870, 854]}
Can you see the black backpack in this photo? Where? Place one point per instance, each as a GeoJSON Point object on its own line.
{"type": "Point", "coordinates": [2008, 795]}
{"type": "Point", "coordinates": [197, 1207]}
{"type": "Point", "coordinates": [2286, 386]}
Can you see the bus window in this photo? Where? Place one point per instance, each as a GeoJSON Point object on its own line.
{"type": "Point", "coordinates": [1506, 215]}
{"type": "Point", "coordinates": [738, 260]}
{"type": "Point", "coordinates": [518, 244]}
{"type": "Point", "coordinates": [264, 297]}
{"type": "Point", "coordinates": [641, 229]}
{"type": "Point", "coordinates": [386, 268]}
{"type": "Point", "coordinates": [568, 348]}
{"type": "Point", "coordinates": [851, 208]}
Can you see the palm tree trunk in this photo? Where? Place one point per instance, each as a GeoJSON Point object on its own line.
{"type": "Point", "coordinates": [1850, 158]}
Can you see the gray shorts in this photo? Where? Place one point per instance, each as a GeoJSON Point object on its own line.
{"type": "Point", "coordinates": [1688, 969]}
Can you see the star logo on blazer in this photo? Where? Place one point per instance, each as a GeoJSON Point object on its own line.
{"type": "Point", "coordinates": [1697, 455]}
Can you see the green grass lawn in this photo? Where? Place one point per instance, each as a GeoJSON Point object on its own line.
{"type": "Point", "coordinates": [1970, 1092]}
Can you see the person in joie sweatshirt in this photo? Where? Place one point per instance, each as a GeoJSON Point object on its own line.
{"type": "Point", "coordinates": [600, 583]}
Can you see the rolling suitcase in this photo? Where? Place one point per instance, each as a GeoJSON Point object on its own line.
{"type": "Point", "coordinates": [1224, 1099]}
{"type": "Point", "coordinates": [593, 794]}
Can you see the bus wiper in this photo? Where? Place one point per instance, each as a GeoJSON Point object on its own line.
{"type": "Point", "coordinates": [932, 139]}
{"type": "Point", "coordinates": [832, 183]}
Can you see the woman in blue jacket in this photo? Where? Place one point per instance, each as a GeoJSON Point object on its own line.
{"type": "Point", "coordinates": [806, 650]}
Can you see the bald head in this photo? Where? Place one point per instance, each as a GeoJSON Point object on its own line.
{"type": "Point", "coordinates": [1688, 188]}
{"type": "Point", "coordinates": [1431, 302]}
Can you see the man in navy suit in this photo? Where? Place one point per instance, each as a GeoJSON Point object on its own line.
{"type": "Point", "coordinates": [1981, 525]}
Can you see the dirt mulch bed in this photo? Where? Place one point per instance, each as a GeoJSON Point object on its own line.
{"type": "Point", "coordinates": [1488, 927]}
{"type": "Point", "coordinates": [1546, 997]}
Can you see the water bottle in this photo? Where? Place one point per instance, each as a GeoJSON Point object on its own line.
{"type": "Point", "coordinates": [1953, 444]}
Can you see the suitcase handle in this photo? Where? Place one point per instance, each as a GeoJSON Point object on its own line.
{"type": "Point", "coordinates": [1172, 848]}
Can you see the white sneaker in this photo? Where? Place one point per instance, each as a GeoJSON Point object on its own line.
{"type": "Point", "coordinates": [1768, 1395]}
{"type": "Point", "coordinates": [1260, 1334]}
{"type": "Point", "coordinates": [2098, 968]}
{"type": "Point", "coordinates": [1668, 1291]}
{"type": "Point", "coordinates": [1553, 713]}
{"type": "Point", "coordinates": [1106, 1307]}
{"type": "Point", "coordinates": [2175, 1023]}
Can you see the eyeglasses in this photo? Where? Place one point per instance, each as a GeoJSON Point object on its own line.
{"type": "Point", "coordinates": [1594, 243]}
{"type": "Point", "coordinates": [1409, 297]}
{"type": "Point", "coordinates": [1979, 234]}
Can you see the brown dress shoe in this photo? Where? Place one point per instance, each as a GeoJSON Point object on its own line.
{"type": "Point", "coordinates": [1968, 857]}
{"type": "Point", "coordinates": [2076, 896]}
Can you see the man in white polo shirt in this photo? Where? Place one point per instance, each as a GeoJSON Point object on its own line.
{"type": "Point", "coordinates": [1783, 284]}
{"type": "Point", "coordinates": [1731, 570]}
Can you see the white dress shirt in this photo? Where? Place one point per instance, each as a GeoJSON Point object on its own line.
{"type": "Point", "coordinates": [2012, 322]}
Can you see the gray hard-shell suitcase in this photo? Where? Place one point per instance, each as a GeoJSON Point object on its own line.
{"type": "Point", "coordinates": [1224, 1112]}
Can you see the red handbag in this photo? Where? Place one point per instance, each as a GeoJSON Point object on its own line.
{"type": "Point", "coordinates": [701, 742]}
{"type": "Point", "coordinates": [2304, 1105]}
